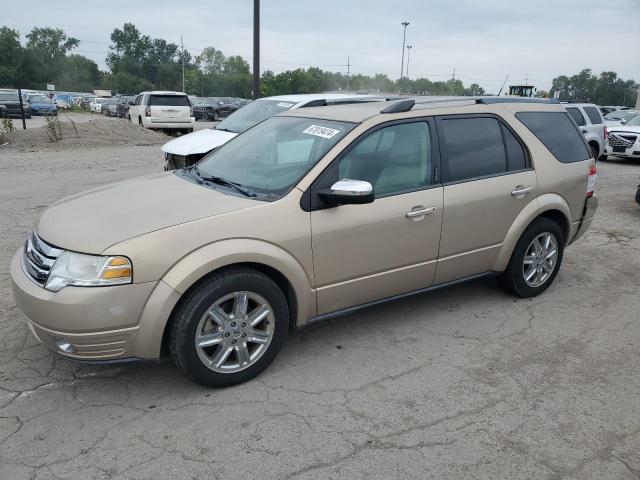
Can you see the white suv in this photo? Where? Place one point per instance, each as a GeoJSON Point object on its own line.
{"type": "Point", "coordinates": [159, 110]}
{"type": "Point", "coordinates": [591, 124]}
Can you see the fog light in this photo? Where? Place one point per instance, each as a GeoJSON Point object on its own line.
{"type": "Point", "coordinates": [64, 345]}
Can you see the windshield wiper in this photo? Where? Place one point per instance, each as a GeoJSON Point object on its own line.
{"type": "Point", "coordinates": [247, 192]}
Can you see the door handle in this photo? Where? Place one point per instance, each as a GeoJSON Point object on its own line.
{"type": "Point", "coordinates": [420, 212]}
{"type": "Point", "coordinates": [521, 190]}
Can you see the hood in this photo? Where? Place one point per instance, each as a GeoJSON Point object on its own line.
{"type": "Point", "coordinates": [624, 129]}
{"type": "Point", "coordinates": [91, 221]}
{"type": "Point", "coordinates": [202, 141]}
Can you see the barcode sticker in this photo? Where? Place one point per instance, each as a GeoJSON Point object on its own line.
{"type": "Point", "coordinates": [318, 131]}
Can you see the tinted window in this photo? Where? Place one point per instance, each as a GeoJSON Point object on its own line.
{"type": "Point", "coordinates": [594, 115]}
{"type": "Point", "coordinates": [169, 101]}
{"type": "Point", "coordinates": [516, 156]}
{"type": "Point", "coordinates": [577, 116]}
{"type": "Point", "coordinates": [474, 148]}
{"type": "Point", "coordinates": [558, 133]}
{"type": "Point", "coordinates": [393, 159]}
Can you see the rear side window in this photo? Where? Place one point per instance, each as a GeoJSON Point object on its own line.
{"type": "Point", "coordinates": [594, 115]}
{"type": "Point", "coordinates": [474, 148]}
{"type": "Point", "coordinates": [558, 133]}
{"type": "Point", "coordinates": [169, 101]}
{"type": "Point", "coordinates": [577, 116]}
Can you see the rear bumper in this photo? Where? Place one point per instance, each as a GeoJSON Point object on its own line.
{"type": "Point", "coordinates": [590, 209]}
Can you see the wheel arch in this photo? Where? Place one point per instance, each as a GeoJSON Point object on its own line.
{"type": "Point", "coordinates": [268, 259]}
{"type": "Point", "coordinates": [550, 206]}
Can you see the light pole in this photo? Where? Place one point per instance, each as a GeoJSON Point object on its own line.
{"type": "Point", "coordinates": [404, 37]}
{"type": "Point", "coordinates": [256, 49]}
{"type": "Point", "coordinates": [409, 47]}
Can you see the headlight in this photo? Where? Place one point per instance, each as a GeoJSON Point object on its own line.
{"type": "Point", "coordinates": [81, 270]}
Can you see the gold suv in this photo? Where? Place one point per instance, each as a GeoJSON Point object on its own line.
{"type": "Point", "coordinates": [308, 215]}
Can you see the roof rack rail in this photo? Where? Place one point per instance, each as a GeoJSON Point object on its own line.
{"type": "Point", "coordinates": [492, 100]}
{"type": "Point", "coordinates": [399, 106]}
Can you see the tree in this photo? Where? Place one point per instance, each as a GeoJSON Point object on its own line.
{"type": "Point", "coordinates": [11, 57]}
{"type": "Point", "coordinates": [211, 61]}
{"type": "Point", "coordinates": [607, 89]}
{"type": "Point", "coordinates": [46, 51]}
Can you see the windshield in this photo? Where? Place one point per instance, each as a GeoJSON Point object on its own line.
{"type": "Point", "coordinates": [253, 113]}
{"type": "Point", "coordinates": [9, 97]}
{"type": "Point", "coordinates": [39, 99]}
{"type": "Point", "coordinates": [620, 115]}
{"type": "Point", "coordinates": [273, 156]}
{"type": "Point", "coordinates": [633, 122]}
{"type": "Point", "coordinates": [101, 100]}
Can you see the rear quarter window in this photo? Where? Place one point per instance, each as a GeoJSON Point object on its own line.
{"type": "Point", "coordinates": [577, 116]}
{"type": "Point", "coordinates": [169, 101]}
{"type": "Point", "coordinates": [558, 133]}
{"type": "Point", "coordinates": [594, 115]}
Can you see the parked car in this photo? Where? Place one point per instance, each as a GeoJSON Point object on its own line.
{"type": "Point", "coordinates": [109, 107]}
{"type": "Point", "coordinates": [624, 140]}
{"type": "Point", "coordinates": [85, 101]}
{"type": "Point", "coordinates": [588, 117]}
{"type": "Point", "coordinates": [396, 198]}
{"type": "Point", "coordinates": [619, 117]}
{"type": "Point", "coordinates": [211, 109]}
{"type": "Point", "coordinates": [188, 149]}
{"type": "Point", "coordinates": [10, 105]}
{"type": "Point", "coordinates": [42, 105]}
{"type": "Point", "coordinates": [160, 110]}
{"type": "Point", "coordinates": [95, 105]}
{"type": "Point", "coordinates": [124, 103]}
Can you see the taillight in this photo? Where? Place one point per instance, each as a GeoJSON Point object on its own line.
{"type": "Point", "coordinates": [606, 132]}
{"type": "Point", "coordinates": [147, 111]}
{"type": "Point", "coordinates": [591, 182]}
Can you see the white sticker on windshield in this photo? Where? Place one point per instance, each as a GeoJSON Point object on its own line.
{"type": "Point", "coordinates": [318, 131]}
{"type": "Point", "coordinates": [284, 105]}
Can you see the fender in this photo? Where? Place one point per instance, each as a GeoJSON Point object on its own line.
{"type": "Point", "coordinates": [541, 204]}
{"type": "Point", "coordinates": [213, 256]}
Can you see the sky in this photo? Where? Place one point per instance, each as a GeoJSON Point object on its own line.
{"type": "Point", "coordinates": [483, 40]}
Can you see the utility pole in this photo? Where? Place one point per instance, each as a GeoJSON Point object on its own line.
{"type": "Point", "coordinates": [182, 48]}
{"type": "Point", "coordinates": [409, 47]}
{"type": "Point", "coordinates": [526, 79]}
{"type": "Point", "coordinates": [24, 125]}
{"type": "Point", "coordinates": [348, 72]}
{"type": "Point", "coordinates": [404, 38]}
{"type": "Point", "coordinates": [256, 49]}
{"type": "Point", "coordinates": [503, 84]}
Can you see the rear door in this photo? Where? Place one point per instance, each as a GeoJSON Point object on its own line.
{"type": "Point", "coordinates": [488, 180]}
{"type": "Point", "coordinates": [169, 108]}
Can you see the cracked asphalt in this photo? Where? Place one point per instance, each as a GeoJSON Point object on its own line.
{"type": "Point", "coordinates": [461, 383]}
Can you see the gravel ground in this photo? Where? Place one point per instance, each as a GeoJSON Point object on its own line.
{"type": "Point", "coordinates": [463, 383]}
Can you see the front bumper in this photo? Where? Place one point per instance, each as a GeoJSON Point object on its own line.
{"type": "Point", "coordinates": [100, 323]}
{"type": "Point", "coordinates": [590, 209]}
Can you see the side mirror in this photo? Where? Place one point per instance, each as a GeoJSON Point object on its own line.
{"type": "Point", "coordinates": [348, 192]}
{"type": "Point", "coordinates": [622, 122]}
{"type": "Point", "coordinates": [131, 103]}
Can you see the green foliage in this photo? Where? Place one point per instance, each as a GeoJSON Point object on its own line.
{"type": "Point", "coordinates": [6, 129]}
{"type": "Point", "coordinates": [607, 89]}
{"type": "Point", "coordinates": [11, 56]}
{"type": "Point", "coordinates": [53, 128]}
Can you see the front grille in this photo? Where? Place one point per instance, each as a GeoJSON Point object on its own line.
{"type": "Point", "coordinates": [38, 258]}
{"type": "Point", "coordinates": [617, 140]}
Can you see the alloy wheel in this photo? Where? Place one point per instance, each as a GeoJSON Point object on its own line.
{"type": "Point", "coordinates": [234, 332]}
{"type": "Point", "coordinates": [540, 259]}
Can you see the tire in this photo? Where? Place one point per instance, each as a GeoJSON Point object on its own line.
{"type": "Point", "coordinates": [513, 279]}
{"type": "Point", "coordinates": [192, 311]}
{"type": "Point", "coordinates": [603, 158]}
{"type": "Point", "coordinates": [216, 116]}
{"type": "Point", "coordinates": [140, 122]}
{"type": "Point", "coordinates": [595, 151]}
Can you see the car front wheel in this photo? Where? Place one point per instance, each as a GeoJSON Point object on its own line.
{"type": "Point", "coordinates": [229, 327]}
{"type": "Point", "coordinates": [535, 260]}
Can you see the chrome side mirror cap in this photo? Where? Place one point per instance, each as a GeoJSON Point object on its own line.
{"type": "Point", "coordinates": [348, 192]}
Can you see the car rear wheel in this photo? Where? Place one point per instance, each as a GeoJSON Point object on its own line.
{"type": "Point", "coordinates": [229, 328]}
{"type": "Point", "coordinates": [535, 260]}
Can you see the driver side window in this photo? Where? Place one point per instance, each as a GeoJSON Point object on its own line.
{"type": "Point", "coordinates": [393, 159]}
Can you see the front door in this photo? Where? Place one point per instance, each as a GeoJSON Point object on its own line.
{"type": "Point", "coordinates": [363, 253]}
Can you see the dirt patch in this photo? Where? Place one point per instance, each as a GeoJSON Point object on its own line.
{"type": "Point", "coordinates": [98, 132]}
